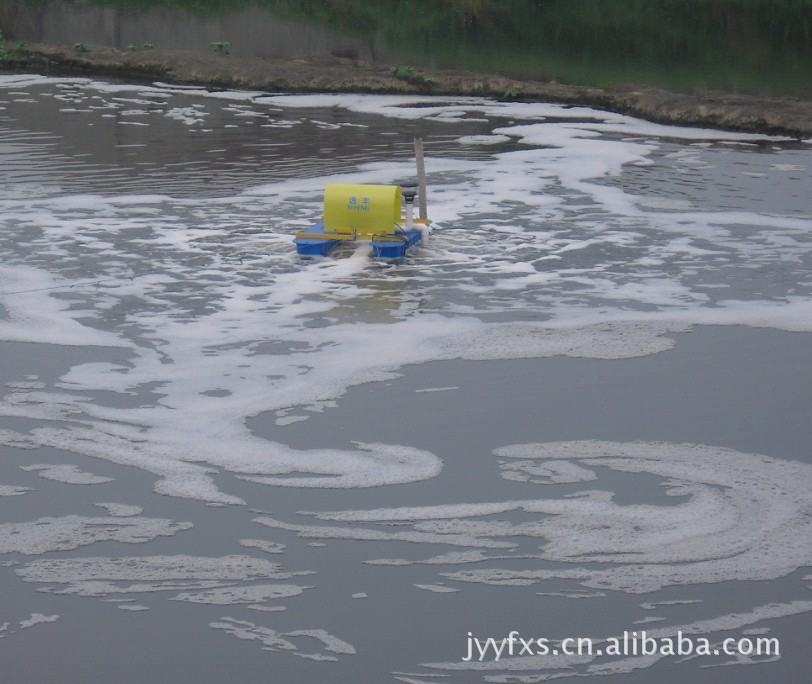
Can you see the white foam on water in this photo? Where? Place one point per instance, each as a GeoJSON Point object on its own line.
{"type": "Point", "coordinates": [187, 115]}
{"type": "Point", "coordinates": [178, 478]}
{"type": "Point", "coordinates": [330, 532]}
{"type": "Point", "coordinates": [66, 473]}
{"type": "Point", "coordinates": [226, 580]}
{"type": "Point", "coordinates": [118, 510]}
{"type": "Point", "coordinates": [255, 594]}
{"type": "Point", "coordinates": [574, 594]}
{"type": "Point", "coordinates": [546, 244]}
{"type": "Point", "coordinates": [752, 507]}
{"type": "Point", "coordinates": [29, 314]}
{"type": "Point", "coordinates": [263, 545]}
{"type": "Point", "coordinates": [651, 605]}
{"type": "Point", "coordinates": [13, 490]}
{"type": "Point", "coordinates": [740, 517]}
{"type": "Point", "coordinates": [437, 588]}
{"type": "Point", "coordinates": [452, 558]}
{"type": "Point", "coordinates": [38, 619]}
{"type": "Point", "coordinates": [288, 642]}
{"type": "Point", "coordinates": [152, 568]}
{"type": "Point", "coordinates": [483, 139]}
{"type": "Point", "coordinates": [74, 531]}
{"type": "Point", "coordinates": [290, 420]}
{"type": "Point", "coordinates": [547, 472]}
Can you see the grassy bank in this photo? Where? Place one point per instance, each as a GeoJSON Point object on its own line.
{"type": "Point", "coordinates": [755, 47]}
{"type": "Point", "coordinates": [785, 115]}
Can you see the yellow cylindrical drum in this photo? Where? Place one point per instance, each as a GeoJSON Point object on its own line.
{"type": "Point", "coordinates": [361, 208]}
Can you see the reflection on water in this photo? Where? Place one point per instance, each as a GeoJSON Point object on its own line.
{"type": "Point", "coordinates": [743, 45]}
{"type": "Point", "coordinates": [133, 140]}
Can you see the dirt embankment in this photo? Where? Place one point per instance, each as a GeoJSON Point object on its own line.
{"type": "Point", "coordinates": [783, 115]}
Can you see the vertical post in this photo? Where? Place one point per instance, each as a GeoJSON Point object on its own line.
{"type": "Point", "coordinates": [409, 197]}
{"type": "Point", "coordinates": [421, 178]}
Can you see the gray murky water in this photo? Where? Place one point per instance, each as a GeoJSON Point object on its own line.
{"type": "Point", "coordinates": [581, 408]}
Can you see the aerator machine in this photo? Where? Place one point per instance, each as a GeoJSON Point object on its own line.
{"type": "Point", "coordinates": [365, 212]}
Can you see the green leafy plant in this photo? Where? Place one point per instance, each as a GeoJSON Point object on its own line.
{"type": "Point", "coordinates": [149, 46]}
{"type": "Point", "coordinates": [81, 47]}
{"type": "Point", "coordinates": [221, 46]}
{"type": "Point", "coordinates": [5, 55]}
{"type": "Point", "coordinates": [513, 91]}
{"type": "Point", "coordinates": [132, 47]}
{"type": "Point", "coordinates": [411, 75]}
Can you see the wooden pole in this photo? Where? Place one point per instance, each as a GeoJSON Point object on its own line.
{"type": "Point", "coordinates": [421, 178]}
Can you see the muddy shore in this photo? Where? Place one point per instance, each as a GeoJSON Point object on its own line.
{"type": "Point", "coordinates": [782, 115]}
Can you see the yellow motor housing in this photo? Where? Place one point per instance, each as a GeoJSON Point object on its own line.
{"type": "Point", "coordinates": [361, 208]}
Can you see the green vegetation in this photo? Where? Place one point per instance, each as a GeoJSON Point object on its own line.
{"type": "Point", "coordinates": [412, 75]}
{"type": "Point", "coordinates": [221, 46]}
{"type": "Point", "coordinates": [745, 45]}
{"type": "Point", "coordinates": [81, 47]}
{"type": "Point", "coordinates": [7, 56]}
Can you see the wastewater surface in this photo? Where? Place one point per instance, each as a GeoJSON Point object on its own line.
{"type": "Point", "coordinates": [580, 409]}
